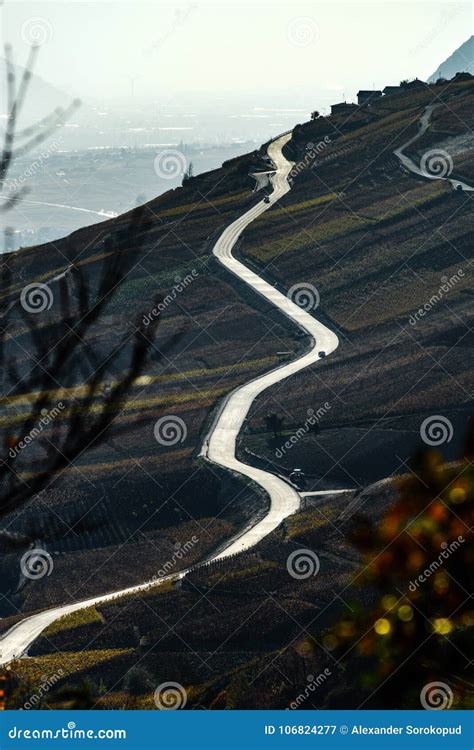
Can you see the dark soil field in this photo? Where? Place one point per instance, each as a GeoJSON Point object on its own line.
{"type": "Point", "coordinates": [377, 243]}
{"type": "Point", "coordinates": [131, 493]}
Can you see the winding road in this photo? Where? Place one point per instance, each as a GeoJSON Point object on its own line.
{"type": "Point", "coordinates": [441, 161]}
{"type": "Point", "coordinates": [220, 444]}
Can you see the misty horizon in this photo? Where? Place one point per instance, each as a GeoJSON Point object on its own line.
{"type": "Point", "coordinates": [315, 57]}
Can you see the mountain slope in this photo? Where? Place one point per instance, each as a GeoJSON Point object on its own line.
{"type": "Point", "coordinates": [42, 99]}
{"type": "Point", "coordinates": [221, 341]}
{"type": "Point", "coordinates": [373, 240]}
{"type": "Point", "coordinates": [462, 60]}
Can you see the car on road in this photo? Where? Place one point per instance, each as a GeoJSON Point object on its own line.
{"type": "Point", "coordinates": [266, 199]}
{"type": "Point", "coordinates": [321, 355]}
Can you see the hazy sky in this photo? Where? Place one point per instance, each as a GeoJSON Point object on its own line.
{"type": "Point", "coordinates": [109, 49]}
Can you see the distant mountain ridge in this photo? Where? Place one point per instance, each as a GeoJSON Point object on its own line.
{"type": "Point", "coordinates": [461, 61]}
{"type": "Point", "coordinates": [42, 97]}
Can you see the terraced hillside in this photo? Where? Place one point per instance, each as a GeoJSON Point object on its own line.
{"type": "Point", "coordinates": [128, 498]}
{"type": "Point", "coordinates": [370, 242]}
{"type": "Point", "coordinates": [378, 244]}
